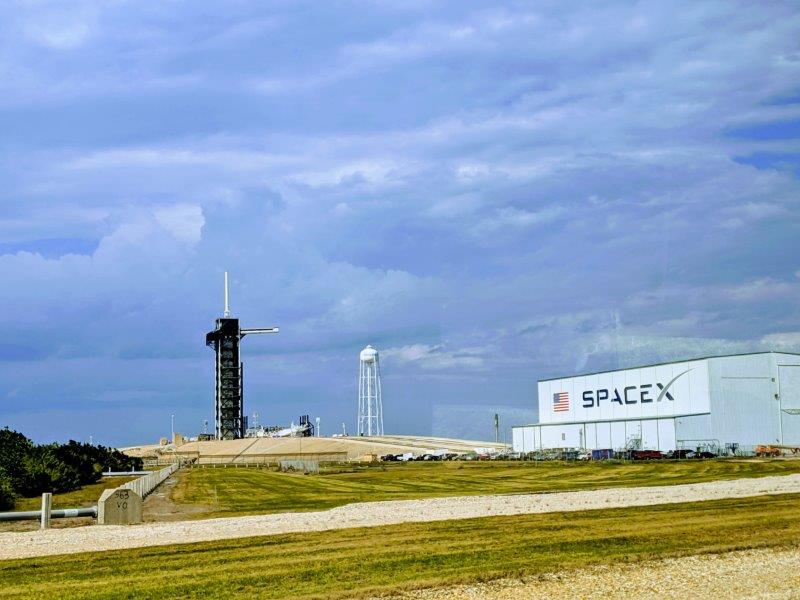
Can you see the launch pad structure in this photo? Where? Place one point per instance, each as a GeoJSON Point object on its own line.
{"type": "Point", "coordinates": [229, 420]}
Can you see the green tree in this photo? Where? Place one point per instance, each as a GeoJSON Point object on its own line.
{"type": "Point", "coordinates": [7, 495]}
{"type": "Point", "coordinates": [28, 470]}
{"type": "Point", "coordinates": [14, 447]}
{"type": "Point", "coordinates": [46, 472]}
{"type": "Point", "coordinates": [86, 459]}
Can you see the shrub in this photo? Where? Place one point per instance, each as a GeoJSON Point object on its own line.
{"type": "Point", "coordinates": [7, 495]}
{"type": "Point", "coordinates": [29, 470]}
{"type": "Point", "coordinates": [46, 472]}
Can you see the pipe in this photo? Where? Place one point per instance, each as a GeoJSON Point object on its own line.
{"type": "Point", "coordinates": [63, 513]}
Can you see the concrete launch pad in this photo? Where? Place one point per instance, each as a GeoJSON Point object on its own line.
{"type": "Point", "coordinates": [254, 450]}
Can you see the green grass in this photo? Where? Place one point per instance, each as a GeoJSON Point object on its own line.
{"type": "Point", "coordinates": [86, 496]}
{"type": "Point", "coordinates": [239, 491]}
{"type": "Point", "coordinates": [361, 562]}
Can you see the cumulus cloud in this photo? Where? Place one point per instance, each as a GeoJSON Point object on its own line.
{"type": "Point", "coordinates": [510, 218]}
{"type": "Point", "coordinates": [60, 28]}
{"type": "Point", "coordinates": [788, 341]}
{"type": "Point", "coordinates": [488, 194]}
{"type": "Point", "coordinates": [433, 358]}
{"type": "Point", "coordinates": [184, 221]}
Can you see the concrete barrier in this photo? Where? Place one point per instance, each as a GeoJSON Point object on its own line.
{"type": "Point", "coordinates": [123, 505]}
{"type": "Point", "coordinates": [147, 483]}
{"type": "Point", "coordinates": [119, 507]}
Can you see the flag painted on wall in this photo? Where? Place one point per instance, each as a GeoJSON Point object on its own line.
{"type": "Point", "coordinates": [561, 402]}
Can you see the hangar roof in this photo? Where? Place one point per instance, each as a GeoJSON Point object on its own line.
{"type": "Point", "coordinates": [668, 362]}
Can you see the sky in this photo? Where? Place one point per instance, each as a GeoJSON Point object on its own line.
{"type": "Point", "coordinates": [489, 193]}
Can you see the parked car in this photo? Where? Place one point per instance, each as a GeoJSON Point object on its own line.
{"type": "Point", "coordinates": [704, 454]}
{"type": "Point", "coordinates": [646, 455]}
{"type": "Point", "coordinates": [389, 458]}
{"type": "Point", "coordinates": [681, 454]}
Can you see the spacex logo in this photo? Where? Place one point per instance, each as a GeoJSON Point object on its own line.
{"type": "Point", "coordinates": [631, 394]}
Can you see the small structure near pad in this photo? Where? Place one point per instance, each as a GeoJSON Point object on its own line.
{"type": "Point", "coordinates": [119, 507]}
{"type": "Point", "coordinates": [303, 466]}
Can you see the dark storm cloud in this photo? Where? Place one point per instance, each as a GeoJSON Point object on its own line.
{"type": "Point", "coordinates": [489, 194]}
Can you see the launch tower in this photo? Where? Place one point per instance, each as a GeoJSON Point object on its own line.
{"type": "Point", "coordinates": [229, 420]}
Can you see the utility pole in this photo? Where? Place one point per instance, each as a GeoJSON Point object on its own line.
{"type": "Point", "coordinates": [172, 427]}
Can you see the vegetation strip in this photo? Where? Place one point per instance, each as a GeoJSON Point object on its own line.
{"type": "Point", "coordinates": [27, 469]}
{"type": "Point", "coordinates": [379, 560]}
{"type": "Point", "coordinates": [218, 492]}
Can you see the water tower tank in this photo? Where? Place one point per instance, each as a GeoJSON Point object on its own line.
{"type": "Point", "coordinates": [368, 354]}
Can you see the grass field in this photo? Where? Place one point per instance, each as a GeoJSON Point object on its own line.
{"type": "Point", "coordinates": [240, 491]}
{"type": "Point", "coordinates": [86, 496]}
{"type": "Point", "coordinates": [361, 562]}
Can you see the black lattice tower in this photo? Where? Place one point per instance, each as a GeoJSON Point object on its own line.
{"type": "Point", "coordinates": [229, 419]}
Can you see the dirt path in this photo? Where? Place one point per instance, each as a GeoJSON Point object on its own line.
{"type": "Point", "coordinates": [159, 505]}
{"type": "Point", "coordinates": [763, 573]}
{"type": "Point", "coordinates": [109, 537]}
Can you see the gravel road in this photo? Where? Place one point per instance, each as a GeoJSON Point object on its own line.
{"type": "Point", "coordinates": [763, 573]}
{"type": "Point", "coordinates": [114, 537]}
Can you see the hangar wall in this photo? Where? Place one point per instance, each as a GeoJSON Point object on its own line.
{"type": "Point", "coordinates": [748, 399]}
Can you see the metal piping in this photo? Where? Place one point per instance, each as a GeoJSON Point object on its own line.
{"type": "Point", "coordinates": [63, 513]}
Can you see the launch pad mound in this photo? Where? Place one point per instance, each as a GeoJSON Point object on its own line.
{"type": "Point", "coordinates": [270, 450]}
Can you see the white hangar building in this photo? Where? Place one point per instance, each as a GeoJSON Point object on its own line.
{"type": "Point", "coordinates": [745, 399]}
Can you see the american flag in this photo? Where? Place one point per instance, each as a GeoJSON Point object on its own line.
{"type": "Point", "coordinates": [561, 402]}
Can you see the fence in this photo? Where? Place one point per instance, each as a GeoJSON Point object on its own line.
{"type": "Point", "coordinates": [269, 459]}
{"type": "Point", "coordinates": [305, 466]}
{"type": "Point", "coordinates": [144, 485]}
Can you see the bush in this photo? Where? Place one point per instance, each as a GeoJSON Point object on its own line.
{"type": "Point", "coordinates": [46, 472]}
{"type": "Point", "coordinates": [117, 461]}
{"type": "Point", "coordinates": [87, 460]}
{"type": "Point", "coordinates": [7, 495]}
{"type": "Point", "coordinates": [14, 447]}
{"type": "Point", "coordinates": [28, 470]}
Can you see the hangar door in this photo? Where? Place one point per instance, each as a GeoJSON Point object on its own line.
{"type": "Point", "coordinates": [789, 388]}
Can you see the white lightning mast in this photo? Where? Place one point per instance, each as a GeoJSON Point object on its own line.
{"type": "Point", "coordinates": [370, 404]}
{"type": "Point", "coordinates": [227, 312]}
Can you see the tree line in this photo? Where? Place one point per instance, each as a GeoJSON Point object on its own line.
{"type": "Point", "coordinates": [28, 469]}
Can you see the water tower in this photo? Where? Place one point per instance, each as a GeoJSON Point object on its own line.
{"type": "Point", "coordinates": [370, 406]}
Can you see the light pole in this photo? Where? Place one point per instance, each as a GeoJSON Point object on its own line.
{"type": "Point", "coordinates": [172, 428]}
